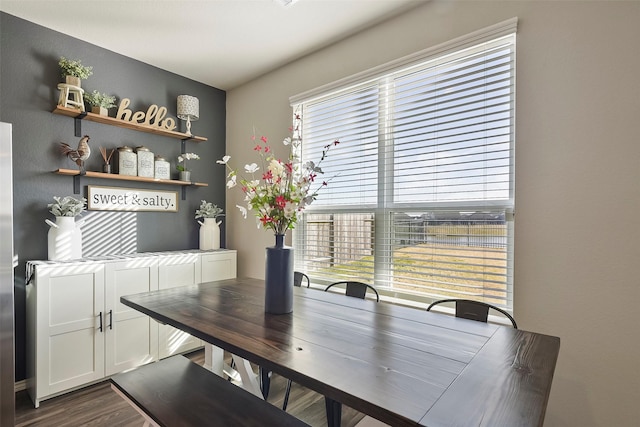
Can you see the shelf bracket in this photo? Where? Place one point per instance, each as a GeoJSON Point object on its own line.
{"type": "Point", "coordinates": [76, 184]}
{"type": "Point", "coordinates": [77, 124]}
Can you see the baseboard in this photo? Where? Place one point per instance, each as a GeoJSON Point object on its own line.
{"type": "Point", "coordinates": [20, 385]}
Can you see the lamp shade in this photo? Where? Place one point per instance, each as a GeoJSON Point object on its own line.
{"type": "Point", "coordinates": [188, 107]}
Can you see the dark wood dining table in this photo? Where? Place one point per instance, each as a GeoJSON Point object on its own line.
{"type": "Point", "coordinates": [400, 365]}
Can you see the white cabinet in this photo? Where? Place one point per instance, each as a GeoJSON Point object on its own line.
{"type": "Point", "coordinates": [219, 265]}
{"type": "Point", "coordinates": [176, 271]}
{"type": "Point", "coordinates": [190, 268]}
{"type": "Point", "coordinates": [65, 328]}
{"type": "Point", "coordinates": [78, 331]}
{"type": "Point", "coordinates": [131, 337]}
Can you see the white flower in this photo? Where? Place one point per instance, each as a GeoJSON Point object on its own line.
{"type": "Point", "coordinates": [243, 211]}
{"type": "Point", "coordinates": [232, 182]}
{"type": "Point", "coordinates": [289, 210]}
{"type": "Point", "coordinates": [191, 156]}
{"type": "Point", "coordinates": [287, 141]}
{"type": "Point", "coordinates": [276, 167]}
{"type": "Point", "coordinates": [224, 160]}
{"type": "Point", "coordinates": [251, 168]}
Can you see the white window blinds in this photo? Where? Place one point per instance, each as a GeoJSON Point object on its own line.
{"type": "Point", "coordinates": [421, 199]}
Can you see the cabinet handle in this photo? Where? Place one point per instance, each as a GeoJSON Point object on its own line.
{"type": "Point", "coordinates": [111, 319]}
{"type": "Point", "coordinates": [100, 327]}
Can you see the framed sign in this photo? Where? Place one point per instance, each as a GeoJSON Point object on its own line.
{"type": "Point", "coordinates": [131, 199]}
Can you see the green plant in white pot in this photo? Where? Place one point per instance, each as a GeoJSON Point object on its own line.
{"type": "Point", "coordinates": [65, 236]}
{"type": "Point", "coordinates": [73, 71]}
{"type": "Point", "coordinates": [100, 102]}
{"type": "Point", "coordinates": [210, 228]}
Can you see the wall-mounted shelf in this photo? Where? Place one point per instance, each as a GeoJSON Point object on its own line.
{"type": "Point", "coordinates": [79, 116]}
{"type": "Point", "coordinates": [76, 179]}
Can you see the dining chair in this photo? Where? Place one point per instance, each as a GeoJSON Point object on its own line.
{"type": "Point", "coordinates": [474, 310]}
{"type": "Point", "coordinates": [353, 289]}
{"type": "Point", "coordinates": [298, 277]}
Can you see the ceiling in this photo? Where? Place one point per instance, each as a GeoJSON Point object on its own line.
{"type": "Point", "coordinates": [222, 43]}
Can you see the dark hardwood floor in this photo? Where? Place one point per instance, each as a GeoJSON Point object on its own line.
{"type": "Point", "coordinates": [99, 406]}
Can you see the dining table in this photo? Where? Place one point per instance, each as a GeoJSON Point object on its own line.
{"type": "Point", "coordinates": [400, 365]}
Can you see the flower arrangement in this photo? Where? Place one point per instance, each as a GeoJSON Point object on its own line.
{"type": "Point", "coordinates": [97, 99]}
{"type": "Point", "coordinates": [74, 68]}
{"type": "Point", "coordinates": [67, 206]}
{"type": "Point", "coordinates": [182, 160]}
{"type": "Point", "coordinates": [208, 210]}
{"type": "Point", "coordinates": [277, 190]}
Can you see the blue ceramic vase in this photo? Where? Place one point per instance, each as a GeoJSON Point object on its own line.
{"type": "Point", "coordinates": [278, 295]}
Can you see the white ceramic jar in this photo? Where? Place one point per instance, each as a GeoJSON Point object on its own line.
{"type": "Point", "coordinates": [64, 239]}
{"type": "Point", "coordinates": [162, 168]}
{"type": "Point", "coordinates": [127, 161]}
{"type": "Point", "coordinates": [146, 164]}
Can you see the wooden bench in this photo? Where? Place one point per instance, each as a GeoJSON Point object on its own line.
{"type": "Point", "coordinates": [176, 392]}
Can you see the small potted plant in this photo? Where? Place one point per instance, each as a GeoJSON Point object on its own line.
{"type": "Point", "coordinates": [74, 71]}
{"type": "Point", "coordinates": [65, 237]}
{"type": "Point", "coordinates": [185, 174]}
{"type": "Point", "coordinates": [210, 228]}
{"type": "Point", "coordinates": [100, 102]}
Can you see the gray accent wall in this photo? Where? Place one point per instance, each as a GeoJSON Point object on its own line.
{"type": "Point", "coordinates": [28, 88]}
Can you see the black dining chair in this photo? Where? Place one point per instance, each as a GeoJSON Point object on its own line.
{"type": "Point", "coordinates": [353, 289]}
{"type": "Point", "coordinates": [298, 277]}
{"type": "Point", "coordinates": [474, 310]}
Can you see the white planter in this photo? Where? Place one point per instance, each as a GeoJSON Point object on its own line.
{"type": "Point", "coordinates": [64, 239]}
{"type": "Point", "coordinates": [210, 233]}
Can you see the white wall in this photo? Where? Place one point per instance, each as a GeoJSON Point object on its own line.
{"type": "Point", "coordinates": [577, 179]}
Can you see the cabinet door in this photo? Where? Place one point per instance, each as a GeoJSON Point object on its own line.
{"type": "Point", "coordinates": [131, 337]}
{"type": "Point", "coordinates": [69, 311]}
{"type": "Point", "coordinates": [219, 265]}
{"type": "Point", "coordinates": [176, 271]}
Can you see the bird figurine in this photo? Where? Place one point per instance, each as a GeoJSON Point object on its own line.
{"type": "Point", "coordinates": [78, 155]}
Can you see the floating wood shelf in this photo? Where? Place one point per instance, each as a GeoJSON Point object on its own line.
{"type": "Point", "coordinates": [79, 115]}
{"type": "Point", "coordinates": [76, 179]}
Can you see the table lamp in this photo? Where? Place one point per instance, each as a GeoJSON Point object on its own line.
{"type": "Point", "coordinates": [188, 109]}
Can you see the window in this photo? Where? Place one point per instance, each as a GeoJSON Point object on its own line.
{"type": "Point", "coordinates": [422, 196]}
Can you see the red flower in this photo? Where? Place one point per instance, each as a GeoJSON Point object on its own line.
{"type": "Point", "coordinates": [267, 176]}
{"type": "Point", "coordinates": [263, 139]}
{"type": "Point", "coordinates": [281, 201]}
{"type": "Point", "coordinates": [267, 149]}
{"type": "Point", "coordinates": [258, 147]}
{"type": "Point", "coordinates": [265, 220]}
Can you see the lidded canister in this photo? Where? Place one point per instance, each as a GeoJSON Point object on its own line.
{"type": "Point", "coordinates": [162, 168]}
{"type": "Point", "coordinates": [127, 161]}
{"type": "Point", "coordinates": [145, 162]}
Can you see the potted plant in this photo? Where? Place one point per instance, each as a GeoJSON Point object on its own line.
{"type": "Point", "coordinates": [210, 228]}
{"type": "Point", "coordinates": [100, 102]}
{"type": "Point", "coordinates": [65, 237]}
{"type": "Point", "coordinates": [74, 71]}
{"type": "Point", "coordinates": [185, 174]}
